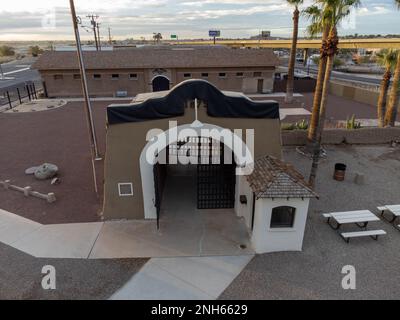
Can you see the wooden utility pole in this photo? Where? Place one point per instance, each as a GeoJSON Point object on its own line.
{"type": "Point", "coordinates": [93, 22]}
{"type": "Point", "coordinates": [88, 108]}
{"type": "Point", "coordinates": [98, 35]}
{"type": "Point", "coordinates": [109, 36]}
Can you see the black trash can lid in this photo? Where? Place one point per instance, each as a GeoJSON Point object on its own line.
{"type": "Point", "coordinates": [340, 166]}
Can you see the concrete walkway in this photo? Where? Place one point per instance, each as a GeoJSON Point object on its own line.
{"type": "Point", "coordinates": [48, 241]}
{"type": "Point", "coordinates": [201, 278]}
{"type": "Point", "coordinates": [121, 239]}
{"type": "Point", "coordinates": [188, 278]}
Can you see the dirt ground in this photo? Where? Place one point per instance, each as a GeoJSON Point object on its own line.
{"type": "Point", "coordinates": [316, 273]}
{"type": "Point", "coordinates": [57, 136]}
{"type": "Point", "coordinates": [60, 136]}
{"type": "Point", "coordinates": [338, 108]}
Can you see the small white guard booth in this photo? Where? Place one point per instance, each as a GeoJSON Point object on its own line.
{"type": "Point", "coordinates": [278, 213]}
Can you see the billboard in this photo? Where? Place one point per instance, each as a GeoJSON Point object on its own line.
{"type": "Point", "coordinates": [214, 33]}
{"type": "Point", "coordinates": [265, 34]}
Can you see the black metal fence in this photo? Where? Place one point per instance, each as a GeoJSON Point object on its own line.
{"type": "Point", "coordinates": [13, 96]}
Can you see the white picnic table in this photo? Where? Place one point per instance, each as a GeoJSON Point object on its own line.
{"type": "Point", "coordinates": [394, 210]}
{"type": "Point", "coordinates": [361, 218]}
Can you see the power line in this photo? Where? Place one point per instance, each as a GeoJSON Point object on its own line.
{"type": "Point", "coordinates": [93, 21]}
{"type": "Point", "coordinates": [109, 36]}
{"type": "Point", "coordinates": [88, 108]}
{"type": "Point", "coordinates": [98, 35]}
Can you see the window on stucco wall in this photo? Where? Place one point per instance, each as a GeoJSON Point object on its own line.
{"type": "Point", "coordinates": [283, 217]}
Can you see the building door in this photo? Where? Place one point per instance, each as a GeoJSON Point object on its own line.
{"type": "Point", "coordinates": [160, 83]}
{"type": "Point", "coordinates": [216, 186]}
{"type": "Point", "coordinates": [260, 85]}
{"type": "Point", "coordinates": [159, 171]}
{"type": "Point", "coordinates": [216, 182]}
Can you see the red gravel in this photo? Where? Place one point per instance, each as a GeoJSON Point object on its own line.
{"type": "Point", "coordinates": [338, 108]}
{"type": "Point", "coordinates": [58, 136]}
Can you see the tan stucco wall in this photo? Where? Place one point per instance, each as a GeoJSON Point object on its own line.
{"type": "Point", "coordinates": [107, 87]}
{"type": "Point", "coordinates": [125, 143]}
{"type": "Point", "coordinates": [355, 93]}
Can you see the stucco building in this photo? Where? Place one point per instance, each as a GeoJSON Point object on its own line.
{"type": "Point", "coordinates": [132, 71]}
{"type": "Point", "coordinates": [220, 150]}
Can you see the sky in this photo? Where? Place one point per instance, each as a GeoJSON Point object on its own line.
{"type": "Point", "coordinates": [51, 19]}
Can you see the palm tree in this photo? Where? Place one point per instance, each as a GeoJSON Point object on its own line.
{"type": "Point", "coordinates": [391, 112]}
{"type": "Point", "coordinates": [336, 11]}
{"type": "Point", "coordinates": [157, 37]}
{"type": "Point", "coordinates": [386, 58]}
{"type": "Point", "coordinates": [319, 24]}
{"type": "Point", "coordinates": [292, 60]}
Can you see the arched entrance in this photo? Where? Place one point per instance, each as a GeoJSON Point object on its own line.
{"type": "Point", "coordinates": [157, 146]}
{"type": "Point", "coordinates": [160, 83]}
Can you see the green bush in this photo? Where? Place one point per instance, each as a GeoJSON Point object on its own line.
{"type": "Point", "coordinates": [35, 51]}
{"type": "Point", "coordinates": [288, 126]}
{"type": "Point", "coordinates": [6, 51]}
{"type": "Point", "coordinates": [301, 125]}
{"type": "Point", "coordinates": [352, 124]}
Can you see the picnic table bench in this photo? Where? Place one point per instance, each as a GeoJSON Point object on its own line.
{"type": "Point", "coordinates": [374, 234]}
{"type": "Point", "coordinates": [394, 211]}
{"type": "Point", "coordinates": [361, 218]}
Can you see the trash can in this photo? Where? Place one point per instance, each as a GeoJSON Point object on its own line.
{"type": "Point", "coordinates": [340, 172]}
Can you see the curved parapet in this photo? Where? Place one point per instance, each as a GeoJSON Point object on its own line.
{"type": "Point", "coordinates": [169, 104]}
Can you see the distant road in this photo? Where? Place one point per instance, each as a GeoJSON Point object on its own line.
{"type": "Point", "coordinates": [313, 71]}
{"type": "Point", "coordinates": [18, 72]}
{"type": "Point", "coordinates": [379, 43]}
{"type": "Point", "coordinates": [343, 76]}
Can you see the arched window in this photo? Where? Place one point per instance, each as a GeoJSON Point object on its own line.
{"type": "Point", "coordinates": [283, 217]}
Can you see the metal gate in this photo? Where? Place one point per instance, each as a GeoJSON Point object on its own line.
{"type": "Point", "coordinates": [216, 186]}
{"type": "Point", "coordinates": [159, 181]}
{"type": "Point", "coordinates": [215, 182]}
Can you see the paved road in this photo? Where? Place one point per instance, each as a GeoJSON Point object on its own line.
{"type": "Point", "coordinates": [313, 70]}
{"type": "Point", "coordinates": [343, 76]}
{"type": "Point", "coordinates": [17, 72]}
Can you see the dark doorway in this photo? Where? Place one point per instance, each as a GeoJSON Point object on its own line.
{"type": "Point", "coordinates": [160, 172]}
{"type": "Point", "coordinates": [260, 85]}
{"type": "Point", "coordinates": [160, 83]}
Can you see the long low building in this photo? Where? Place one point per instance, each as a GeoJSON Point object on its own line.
{"type": "Point", "coordinates": [149, 69]}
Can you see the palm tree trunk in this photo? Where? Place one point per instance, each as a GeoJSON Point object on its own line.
{"type": "Point", "coordinates": [312, 132]}
{"type": "Point", "coordinates": [382, 97]}
{"type": "Point", "coordinates": [330, 51]}
{"type": "Point", "coordinates": [391, 113]}
{"type": "Point", "coordinates": [292, 60]}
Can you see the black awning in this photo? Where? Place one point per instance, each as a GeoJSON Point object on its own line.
{"type": "Point", "coordinates": [173, 105]}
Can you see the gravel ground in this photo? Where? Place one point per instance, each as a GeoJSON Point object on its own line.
{"type": "Point", "coordinates": [60, 136]}
{"type": "Point", "coordinates": [338, 108]}
{"type": "Point", "coordinates": [20, 276]}
{"type": "Point", "coordinates": [57, 136]}
{"type": "Point", "coordinates": [315, 273]}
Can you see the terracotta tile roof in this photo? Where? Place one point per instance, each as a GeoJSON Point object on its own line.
{"type": "Point", "coordinates": [273, 178]}
{"type": "Point", "coordinates": [159, 57]}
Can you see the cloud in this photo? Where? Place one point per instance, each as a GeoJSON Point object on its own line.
{"type": "Point", "coordinates": [376, 10]}
{"type": "Point", "coordinates": [187, 18]}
